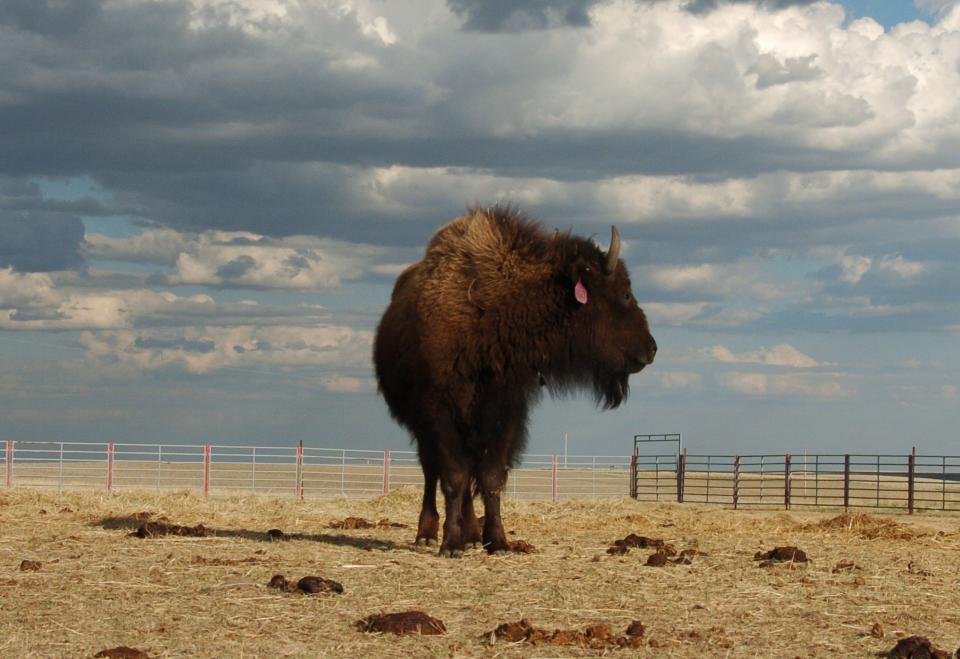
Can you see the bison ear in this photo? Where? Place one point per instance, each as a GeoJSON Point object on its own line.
{"type": "Point", "coordinates": [580, 292]}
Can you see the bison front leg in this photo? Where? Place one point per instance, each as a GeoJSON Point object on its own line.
{"type": "Point", "coordinates": [492, 480]}
{"type": "Point", "coordinates": [429, 523]}
{"type": "Point", "coordinates": [455, 484]}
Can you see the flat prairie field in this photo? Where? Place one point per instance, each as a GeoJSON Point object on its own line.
{"type": "Point", "coordinates": [75, 579]}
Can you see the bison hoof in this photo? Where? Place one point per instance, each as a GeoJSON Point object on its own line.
{"type": "Point", "coordinates": [498, 549]}
{"type": "Point", "coordinates": [475, 545]}
{"type": "Point", "coordinates": [426, 542]}
{"type": "Point", "coordinates": [451, 553]}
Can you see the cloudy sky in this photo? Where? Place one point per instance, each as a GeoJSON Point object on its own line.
{"type": "Point", "coordinates": [203, 205]}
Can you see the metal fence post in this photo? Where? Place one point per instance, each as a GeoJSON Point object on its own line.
{"type": "Point", "coordinates": [109, 466]}
{"type": "Point", "coordinates": [553, 484]}
{"type": "Point", "coordinates": [816, 480]}
{"type": "Point", "coordinates": [633, 476]}
{"type": "Point", "coordinates": [253, 470]}
{"type": "Point", "coordinates": [911, 468]}
{"type": "Point", "coordinates": [943, 482]}
{"type": "Point", "coordinates": [786, 480]}
{"type": "Point", "coordinates": [593, 473]}
{"type": "Point", "coordinates": [206, 469]}
{"type": "Point", "coordinates": [386, 472]}
{"type": "Point", "coordinates": [736, 481]}
{"type": "Point", "coordinates": [681, 474]}
{"type": "Point", "coordinates": [656, 477]}
{"type": "Point", "coordinates": [761, 477]}
{"type": "Point", "coordinates": [9, 463]}
{"type": "Point", "coordinates": [298, 486]}
{"type": "Point", "coordinates": [706, 498]}
{"type": "Point", "coordinates": [846, 481]}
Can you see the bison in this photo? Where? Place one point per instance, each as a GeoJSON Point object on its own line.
{"type": "Point", "coordinates": [497, 309]}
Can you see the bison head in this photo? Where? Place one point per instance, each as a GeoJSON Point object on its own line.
{"type": "Point", "coordinates": [609, 332]}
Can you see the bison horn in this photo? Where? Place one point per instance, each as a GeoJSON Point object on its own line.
{"type": "Point", "coordinates": [613, 254]}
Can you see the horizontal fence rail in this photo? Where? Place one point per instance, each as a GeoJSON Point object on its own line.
{"type": "Point", "coordinates": [895, 482]}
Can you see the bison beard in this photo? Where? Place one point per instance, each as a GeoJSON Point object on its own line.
{"type": "Point", "coordinates": [496, 309]}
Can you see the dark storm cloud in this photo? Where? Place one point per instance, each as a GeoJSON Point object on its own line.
{"type": "Point", "coordinates": [27, 315]}
{"type": "Point", "coordinates": [135, 88]}
{"type": "Point", "coordinates": [51, 17]}
{"type": "Point", "coordinates": [297, 262]}
{"type": "Point", "coordinates": [237, 268]}
{"type": "Point", "coordinates": [202, 346]}
{"type": "Point", "coordinates": [706, 6]}
{"type": "Point", "coordinates": [515, 16]}
{"type": "Point", "coordinates": [770, 71]}
{"type": "Point", "coordinates": [40, 242]}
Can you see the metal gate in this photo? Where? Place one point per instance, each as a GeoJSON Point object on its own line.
{"type": "Point", "coordinates": [654, 475]}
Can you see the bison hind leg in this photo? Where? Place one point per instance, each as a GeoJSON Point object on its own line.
{"type": "Point", "coordinates": [429, 524]}
{"type": "Point", "coordinates": [456, 486]}
{"type": "Point", "coordinates": [472, 536]}
{"type": "Point", "coordinates": [492, 480]}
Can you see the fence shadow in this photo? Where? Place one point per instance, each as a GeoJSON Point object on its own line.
{"type": "Point", "coordinates": [131, 524]}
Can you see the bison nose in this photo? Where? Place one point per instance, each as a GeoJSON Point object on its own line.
{"type": "Point", "coordinates": [652, 350]}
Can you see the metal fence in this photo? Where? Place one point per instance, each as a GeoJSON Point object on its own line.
{"type": "Point", "coordinates": [896, 482]}
{"type": "Point", "coordinates": [296, 471]}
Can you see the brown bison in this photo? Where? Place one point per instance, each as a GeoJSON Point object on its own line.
{"type": "Point", "coordinates": [497, 309]}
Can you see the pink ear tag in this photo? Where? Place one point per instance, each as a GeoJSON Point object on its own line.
{"type": "Point", "coordinates": [580, 292]}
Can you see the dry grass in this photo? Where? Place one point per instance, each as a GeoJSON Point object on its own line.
{"type": "Point", "coordinates": [98, 588]}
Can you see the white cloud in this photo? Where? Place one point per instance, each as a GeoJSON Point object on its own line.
{"type": "Point", "coordinates": [380, 28]}
{"type": "Point", "coordinates": [712, 280]}
{"type": "Point", "coordinates": [201, 350]}
{"type": "Point", "coordinates": [639, 198]}
{"type": "Point", "coordinates": [19, 290]}
{"type": "Point", "coordinates": [672, 313]}
{"type": "Point", "coordinates": [680, 380]}
{"type": "Point", "coordinates": [939, 7]}
{"type": "Point", "coordinates": [389, 269]}
{"type": "Point", "coordinates": [348, 385]}
{"type": "Point", "coordinates": [782, 354]}
{"type": "Point", "coordinates": [33, 301]}
{"type": "Point", "coordinates": [160, 246]}
{"type": "Point", "coordinates": [900, 266]}
{"type": "Point", "coordinates": [854, 267]}
{"type": "Point", "coordinates": [826, 386]}
{"type": "Point", "coordinates": [886, 93]}
{"type": "Point", "coordinates": [240, 259]}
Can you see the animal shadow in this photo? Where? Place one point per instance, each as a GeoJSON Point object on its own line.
{"type": "Point", "coordinates": [132, 523]}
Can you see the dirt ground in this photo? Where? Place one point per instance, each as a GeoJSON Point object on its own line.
{"type": "Point", "coordinates": [869, 580]}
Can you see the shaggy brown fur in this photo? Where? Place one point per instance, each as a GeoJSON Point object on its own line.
{"type": "Point", "coordinates": [497, 308]}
